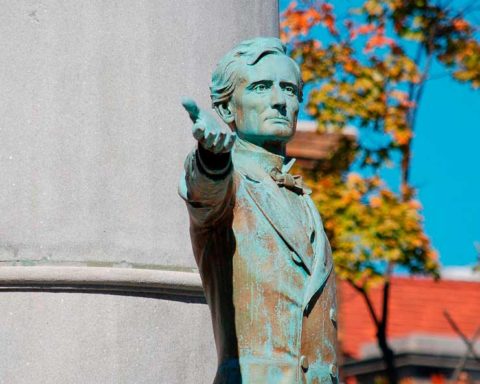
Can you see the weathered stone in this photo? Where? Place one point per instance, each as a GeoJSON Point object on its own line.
{"type": "Point", "coordinates": [93, 136]}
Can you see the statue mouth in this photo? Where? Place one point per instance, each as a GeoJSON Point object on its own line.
{"type": "Point", "coordinates": [279, 119]}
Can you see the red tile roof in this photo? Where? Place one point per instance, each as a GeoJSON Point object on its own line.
{"type": "Point", "coordinates": [416, 306]}
{"type": "Point", "coordinates": [313, 145]}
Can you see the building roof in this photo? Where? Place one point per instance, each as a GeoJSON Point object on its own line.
{"type": "Point", "coordinates": [416, 308]}
{"type": "Point", "coordinates": [313, 146]}
{"type": "Point", "coordinates": [310, 147]}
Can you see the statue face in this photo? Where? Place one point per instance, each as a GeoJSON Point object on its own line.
{"type": "Point", "coordinates": [265, 101]}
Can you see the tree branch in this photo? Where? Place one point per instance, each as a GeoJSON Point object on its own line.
{"type": "Point", "coordinates": [464, 338]}
{"type": "Point", "coordinates": [386, 293]}
{"type": "Point", "coordinates": [369, 303]}
{"type": "Point", "coordinates": [416, 96]}
{"type": "Point", "coordinates": [420, 90]}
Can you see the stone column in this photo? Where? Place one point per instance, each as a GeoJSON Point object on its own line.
{"type": "Point", "coordinates": [97, 279]}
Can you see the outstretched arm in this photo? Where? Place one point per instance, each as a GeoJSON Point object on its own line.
{"type": "Point", "coordinates": [206, 185]}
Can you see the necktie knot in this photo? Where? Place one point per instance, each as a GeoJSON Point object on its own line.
{"type": "Point", "coordinates": [292, 182]}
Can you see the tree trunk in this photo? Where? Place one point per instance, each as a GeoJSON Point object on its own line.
{"type": "Point", "coordinates": [388, 356]}
{"type": "Point", "coordinates": [381, 325]}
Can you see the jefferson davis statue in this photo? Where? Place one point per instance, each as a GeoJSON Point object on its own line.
{"type": "Point", "coordinates": [258, 240]}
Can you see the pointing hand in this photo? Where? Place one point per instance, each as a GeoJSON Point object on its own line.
{"type": "Point", "coordinates": [207, 131]}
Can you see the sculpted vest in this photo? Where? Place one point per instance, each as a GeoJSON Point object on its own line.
{"type": "Point", "coordinates": [269, 285]}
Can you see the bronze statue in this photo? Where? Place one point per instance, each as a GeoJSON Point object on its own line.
{"type": "Point", "coordinates": [258, 240]}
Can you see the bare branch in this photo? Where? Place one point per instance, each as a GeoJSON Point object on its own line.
{"type": "Point", "coordinates": [463, 360]}
{"type": "Point", "coordinates": [386, 293]}
{"type": "Point", "coordinates": [420, 90]}
{"type": "Point", "coordinates": [369, 303]}
{"type": "Point", "coordinates": [438, 76]}
{"type": "Point", "coordinates": [465, 339]}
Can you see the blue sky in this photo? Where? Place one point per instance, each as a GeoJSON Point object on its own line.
{"type": "Point", "coordinates": [446, 167]}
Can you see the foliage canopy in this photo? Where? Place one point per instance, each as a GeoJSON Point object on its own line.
{"type": "Point", "coordinates": [368, 69]}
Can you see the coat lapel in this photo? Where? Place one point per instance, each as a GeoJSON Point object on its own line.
{"type": "Point", "coordinates": [322, 264]}
{"type": "Point", "coordinates": [270, 201]}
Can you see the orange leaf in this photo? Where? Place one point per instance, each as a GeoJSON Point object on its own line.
{"type": "Point", "coordinates": [375, 201]}
{"type": "Point", "coordinates": [415, 204]}
{"type": "Point", "coordinates": [366, 28]}
{"type": "Point", "coordinates": [460, 25]}
{"type": "Point", "coordinates": [377, 41]}
{"type": "Point", "coordinates": [402, 137]}
{"type": "Point", "coordinates": [402, 98]}
{"type": "Point", "coordinates": [326, 7]}
{"type": "Point", "coordinates": [329, 22]}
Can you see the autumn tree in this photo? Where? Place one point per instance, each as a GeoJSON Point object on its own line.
{"type": "Point", "coordinates": [368, 68]}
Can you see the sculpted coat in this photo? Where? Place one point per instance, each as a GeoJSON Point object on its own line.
{"type": "Point", "coordinates": [266, 268]}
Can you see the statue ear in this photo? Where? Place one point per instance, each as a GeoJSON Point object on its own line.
{"type": "Point", "coordinates": [225, 111]}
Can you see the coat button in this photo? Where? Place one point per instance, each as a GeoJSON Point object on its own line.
{"type": "Point", "coordinates": [333, 370]}
{"type": "Point", "coordinates": [333, 314]}
{"type": "Point", "coordinates": [304, 362]}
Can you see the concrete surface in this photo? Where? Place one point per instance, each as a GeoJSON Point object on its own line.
{"type": "Point", "coordinates": [60, 338]}
{"type": "Point", "coordinates": [92, 133]}
{"type": "Point", "coordinates": [102, 279]}
{"type": "Point", "coordinates": [92, 143]}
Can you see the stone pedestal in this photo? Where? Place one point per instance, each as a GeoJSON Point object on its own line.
{"type": "Point", "coordinates": [98, 282]}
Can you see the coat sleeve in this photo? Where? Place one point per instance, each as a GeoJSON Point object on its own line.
{"type": "Point", "coordinates": [206, 186]}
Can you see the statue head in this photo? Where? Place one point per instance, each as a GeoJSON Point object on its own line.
{"type": "Point", "coordinates": [256, 89]}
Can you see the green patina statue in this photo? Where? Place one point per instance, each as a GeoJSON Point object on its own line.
{"type": "Point", "coordinates": [258, 240]}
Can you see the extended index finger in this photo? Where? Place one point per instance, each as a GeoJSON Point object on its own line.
{"type": "Point", "coordinates": [191, 107]}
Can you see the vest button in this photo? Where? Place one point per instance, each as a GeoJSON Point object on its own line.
{"type": "Point", "coordinates": [333, 315]}
{"type": "Point", "coordinates": [304, 362]}
{"type": "Point", "coordinates": [333, 370]}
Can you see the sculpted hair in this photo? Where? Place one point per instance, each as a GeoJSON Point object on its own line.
{"type": "Point", "coordinates": [248, 52]}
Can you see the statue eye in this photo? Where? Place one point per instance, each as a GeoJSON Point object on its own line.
{"type": "Point", "coordinates": [259, 88]}
{"type": "Point", "coordinates": [289, 90]}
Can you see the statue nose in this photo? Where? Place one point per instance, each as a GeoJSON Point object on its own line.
{"type": "Point", "coordinates": [278, 98]}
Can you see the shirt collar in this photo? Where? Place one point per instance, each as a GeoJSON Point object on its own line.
{"type": "Point", "coordinates": [255, 160]}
